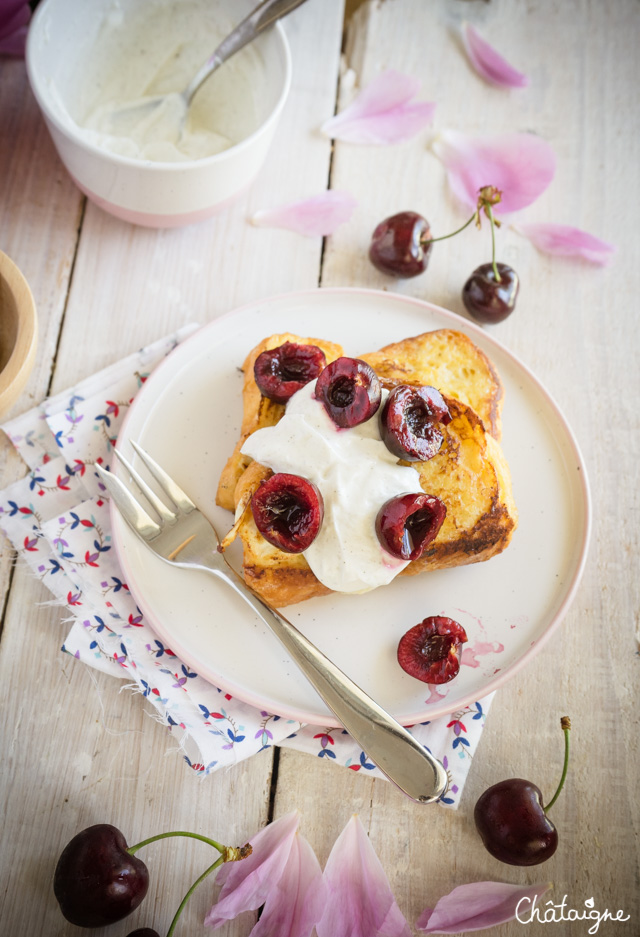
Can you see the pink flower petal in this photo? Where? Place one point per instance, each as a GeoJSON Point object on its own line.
{"type": "Point", "coordinates": [15, 43]}
{"type": "Point", "coordinates": [479, 905]}
{"type": "Point", "coordinates": [571, 242]}
{"type": "Point", "coordinates": [519, 164]}
{"type": "Point", "coordinates": [359, 900]}
{"type": "Point", "coordinates": [314, 217]}
{"type": "Point", "coordinates": [14, 17]}
{"type": "Point", "coordinates": [246, 884]}
{"type": "Point", "coordinates": [297, 900]}
{"type": "Point", "coordinates": [383, 112]}
{"type": "Point", "coordinates": [488, 63]}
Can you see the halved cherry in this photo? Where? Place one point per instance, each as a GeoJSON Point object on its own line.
{"type": "Point", "coordinates": [282, 371]}
{"type": "Point", "coordinates": [288, 511]}
{"type": "Point", "coordinates": [430, 651]}
{"type": "Point", "coordinates": [409, 422]}
{"type": "Point", "coordinates": [350, 391]}
{"type": "Point", "coordinates": [407, 524]}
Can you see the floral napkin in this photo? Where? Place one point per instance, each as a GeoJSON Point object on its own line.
{"type": "Point", "coordinates": [57, 518]}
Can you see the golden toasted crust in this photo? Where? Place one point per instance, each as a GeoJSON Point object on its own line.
{"type": "Point", "coordinates": [450, 361]}
{"type": "Point", "coordinates": [469, 473]}
{"type": "Point", "coordinates": [258, 411]}
{"type": "Point", "coordinates": [471, 477]}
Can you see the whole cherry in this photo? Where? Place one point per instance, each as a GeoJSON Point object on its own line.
{"type": "Point", "coordinates": [401, 245]}
{"type": "Point", "coordinates": [489, 297]}
{"type": "Point", "coordinates": [512, 820]}
{"type": "Point", "coordinates": [490, 293]}
{"type": "Point", "coordinates": [97, 881]}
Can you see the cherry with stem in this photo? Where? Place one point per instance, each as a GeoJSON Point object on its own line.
{"type": "Point", "coordinates": [99, 880]}
{"type": "Point", "coordinates": [490, 293]}
{"type": "Point", "coordinates": [512, 820]}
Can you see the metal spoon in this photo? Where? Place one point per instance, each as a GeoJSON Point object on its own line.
{"type": "Point", "coordinates": [265, 14]}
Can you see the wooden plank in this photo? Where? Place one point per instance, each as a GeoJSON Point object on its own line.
{"type": "Point", "coordinates": [573, 328]}
{"type": "Point", "coordinates": [82, 750]}
{"type": "Point", "coordinates": [40, 211]}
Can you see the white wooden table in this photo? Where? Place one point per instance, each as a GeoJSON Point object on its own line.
{"type": "Point", "coordinates": [75, 749]}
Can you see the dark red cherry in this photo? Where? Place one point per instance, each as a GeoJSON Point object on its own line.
{"type": "Point", "coordinates": [487, 299]}
{"type": "Point", "coordinates": [409, 422]}
{"type": "Point", "coordinates": [407, 524]}
{"type": "Point", "coordinates": [96, 881]}
{"type": "Point", "coordinates": [430, 650]}
{"type": "Point", "coordinates": [144, 932]}
{"type": "Point", "coordinates": [288, 511]}
{"type": "Point", "coordinates": [400, 245]}
{"type": "Point", "coordinates": [282, 371]}
{"type": "Point", "coordinates": [350, 391]}
{"type": "Point", "coordinates": [513, 824]}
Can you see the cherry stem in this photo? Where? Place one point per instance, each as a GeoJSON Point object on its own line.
{"type": "Point", "coordinates": [200, 879]}
{"type": "Point", "coordinates": [132, 850]}
{"type": "Point", "coordinates": [566, 726]}
{"type": "Point", "coordinates": [489, 214]}
{"type": "Point", "coordinates": [452, 234]}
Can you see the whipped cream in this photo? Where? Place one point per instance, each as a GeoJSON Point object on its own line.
{"type": "Point", "coordinates": [355, 473]}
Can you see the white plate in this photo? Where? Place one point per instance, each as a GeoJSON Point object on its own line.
{"type": "Point", "coordinates": [187, 415]}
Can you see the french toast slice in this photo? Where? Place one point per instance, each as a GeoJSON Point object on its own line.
{"type": "Point", "coordinates": [469, 473]}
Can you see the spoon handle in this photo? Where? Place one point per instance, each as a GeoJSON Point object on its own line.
{"type": "Point", "coordinates": [264, 15]}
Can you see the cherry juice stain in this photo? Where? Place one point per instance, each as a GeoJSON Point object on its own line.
{"type": "Point", "coordinates": [480, 647]}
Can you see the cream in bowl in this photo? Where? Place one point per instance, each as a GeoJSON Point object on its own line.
{"type": "Point", "coordinates": [89, 62]}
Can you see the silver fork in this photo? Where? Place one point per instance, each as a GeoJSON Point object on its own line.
{"type": "Point", "coordinates": [184, 537]}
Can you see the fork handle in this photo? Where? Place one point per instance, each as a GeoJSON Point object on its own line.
{"type": "Point", "coordinates": [390, 746]}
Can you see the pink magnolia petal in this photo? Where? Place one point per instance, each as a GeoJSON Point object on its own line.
{"type": "Point", "coordinates": [387, 90]}
{"type": "Point", "coordinates": [296, 902]}
{"type": "Point", "coordinates": [521, 165]}
{"type": "Point", "coordinates": [571, 242]}
{"type": "Point", "coordinates": [13, 16]}
{"type": "Point", "coordinates": [359, 900]}
{"type": "Point", "coordinates": [15, 43]}
{"type": "Point", "coordinates": [479, 905]}
{"type": "Point", "coordinates": [488, 63]}
{"type": "Point", "coordinates": [383, 112]}
{"type": "Point", "coordinates": [314, 217]}
{"type": "Point", "coordinates": [246, 884]}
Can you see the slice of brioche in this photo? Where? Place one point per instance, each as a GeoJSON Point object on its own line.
{"type": "Point", "coordinates": [450, 361]}
{"type": "Point", "coordinates": [259, 411]}
{"type": "Point", "coordinates": [469, 474]}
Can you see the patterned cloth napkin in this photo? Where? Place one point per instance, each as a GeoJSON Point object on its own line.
{"type": "Point", "coordinates": [57, 518]}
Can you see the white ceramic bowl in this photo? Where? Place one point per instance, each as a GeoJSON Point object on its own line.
{"type": "Point", "coordinates": [156, 194]}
